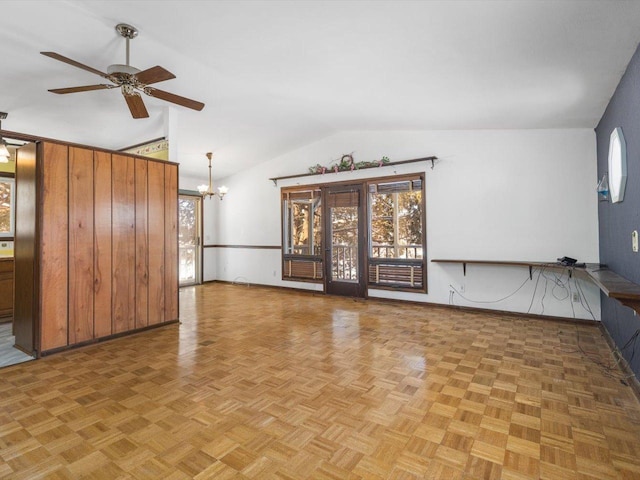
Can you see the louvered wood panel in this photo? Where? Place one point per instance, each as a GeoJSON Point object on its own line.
{"type": "Point", "coordinates": [155, 172]}
{"type": "Point", "coordinates": [343, 199]}
{"type": "Point", "coordinates": [80, 245]}
{"type": "Point", "coordinates": [102, 244]}
{"type": "Point", "coordinates": [294, 268]}
{"type": "Point", "coordinates": [171, 242]}
{"type": "Point", "coordinates": [123, 237]}
{"type": "Point", "coordinates": [142, 245]}
{"type": "Point", "coordinates": [398, 275]}
{"type": "Point", "coordinates": [53, 250]}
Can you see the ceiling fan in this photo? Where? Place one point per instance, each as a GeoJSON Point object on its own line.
{"type": "Point", "coordinates": [130, 80]}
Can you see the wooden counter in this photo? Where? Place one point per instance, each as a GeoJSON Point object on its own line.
{"type": "Point", "coordinates": [6, 289]}
{"type": "Point", "coordinates": [615, 286]}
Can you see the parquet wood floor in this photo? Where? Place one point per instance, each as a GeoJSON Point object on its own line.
{"type": "Point", "coordinates": [262, 384]}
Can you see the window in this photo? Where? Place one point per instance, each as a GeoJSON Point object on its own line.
{"type": "Point", "coordinates": [396, 219]}
{"type": "Point", "coordinates": [396, 232]}
{"type": "Point", "coordinates": [7, 201]}
{"type": "Point", "coordinates": [302, 234]}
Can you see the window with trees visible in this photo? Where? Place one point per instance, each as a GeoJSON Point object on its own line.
{"type": "Point", "coordinates": [396, 232]}
{"type": "Point", "coordinates": [302, 234]}
{"type": "Point", "coordinates": [396, 219]}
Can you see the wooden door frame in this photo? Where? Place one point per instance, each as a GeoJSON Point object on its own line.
{"type": "Point", "coordinates": [27, 249]}
{"type": "Point", "coordinates": [359, 289]}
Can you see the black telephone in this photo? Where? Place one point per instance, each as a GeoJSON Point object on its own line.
{"type": "Point", "coordinates": [567, 261]}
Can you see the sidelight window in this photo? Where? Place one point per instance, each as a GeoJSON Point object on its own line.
{"type": "Point", "coordinates": [302, 234]}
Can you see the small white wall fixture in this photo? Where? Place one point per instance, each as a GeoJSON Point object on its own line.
{"type": "Point", "coordinates": [617, 165]}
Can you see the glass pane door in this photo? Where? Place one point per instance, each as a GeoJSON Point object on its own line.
{"type": "Point", "coordinates": [189, 239]}
{"type": "Point", "coordinates": [344, 244]}
{"type": "Point", "coordinates": [344, 238]}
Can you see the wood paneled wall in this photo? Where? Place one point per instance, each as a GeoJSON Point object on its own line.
{"type": "Point", "coordinates": [109, 250]}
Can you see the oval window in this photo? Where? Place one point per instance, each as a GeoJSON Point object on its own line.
{"type": "Point", "coordinates": [617, 165]}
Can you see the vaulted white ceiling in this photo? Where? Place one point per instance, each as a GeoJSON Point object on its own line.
{"type": "Point", "coordinates": [276, 75]}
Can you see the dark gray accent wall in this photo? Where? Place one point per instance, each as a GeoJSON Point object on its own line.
{"type": "Point", "coordinates": [617, 221]}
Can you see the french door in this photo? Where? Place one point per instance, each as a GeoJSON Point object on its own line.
{"type": "Point", "coordinates": [190, 248]}
{"type": "Point", "coordinates": [344, 240]}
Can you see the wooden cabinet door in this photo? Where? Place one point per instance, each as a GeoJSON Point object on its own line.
{"type": "Point", "coordinates": [6, 287]}
{"type": "Point", "coordinates": [81, 240]}
{"type": "Point", "coordinates": [171, 242]}
{"type": "Point", "coordinates": [142, 245]}
{"type": "Point", "coordinates": [54, 234]}
{"type": "Point", "coordinates": [123, 237]}
{"type": "Point", "coordinates": [156, 220]}
{"type": "Point", "coordinates": [102, 244]}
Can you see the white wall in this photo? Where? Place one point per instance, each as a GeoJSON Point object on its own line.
{"type": "Point", "coordinates": [494, 195]}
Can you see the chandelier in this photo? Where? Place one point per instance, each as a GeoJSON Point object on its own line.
{"type": "Point", "coordinates": [208, 189]}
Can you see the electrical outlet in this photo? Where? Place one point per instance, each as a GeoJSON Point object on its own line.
{"type": "Point", "coordinates": [634, 241]}
{"type": "Point", "coordinates": [575, 297]}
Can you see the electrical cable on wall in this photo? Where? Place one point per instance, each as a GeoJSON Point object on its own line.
{"type": "Point", "coordinates": [483, 301]}
{"type": "Point", "coordinates": [561, 289]}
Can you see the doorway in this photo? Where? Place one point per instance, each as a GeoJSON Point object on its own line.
{"type": "Point", "coordinates": [17, 254]}
{"type": "Point", "coordinates": [345, 241]}
{"type": "Point", "coordinates": [189, 239]}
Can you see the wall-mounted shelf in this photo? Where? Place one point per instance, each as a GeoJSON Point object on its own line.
{"type": "Point", "coordinates": [331, 172]}
{"type": "Point", "coordinates": [502, 263]}
{"type": "Point", "coordinates": [611, 284]}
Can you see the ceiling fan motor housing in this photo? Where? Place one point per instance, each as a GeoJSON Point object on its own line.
{"type": "Point", "coordinates": [119, 68]}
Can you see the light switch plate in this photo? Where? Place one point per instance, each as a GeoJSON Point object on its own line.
{"type": "Point", "coordinates": [634, 241]}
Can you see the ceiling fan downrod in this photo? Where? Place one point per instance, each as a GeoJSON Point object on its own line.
{"type": "Point", "coordinates": [128, 32]}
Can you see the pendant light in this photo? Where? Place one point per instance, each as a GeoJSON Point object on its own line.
{"type": "Point", "coordinates": [207, 190]}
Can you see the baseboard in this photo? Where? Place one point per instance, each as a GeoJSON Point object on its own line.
{"type": "Point", "coordinates": [429, 304]}
{"type": "Point", "coordinates": [519, 314]}
{"type": "Point", "coordinates": [93, 341]}
{"type": "Point", "coordinates": [261, 285]}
